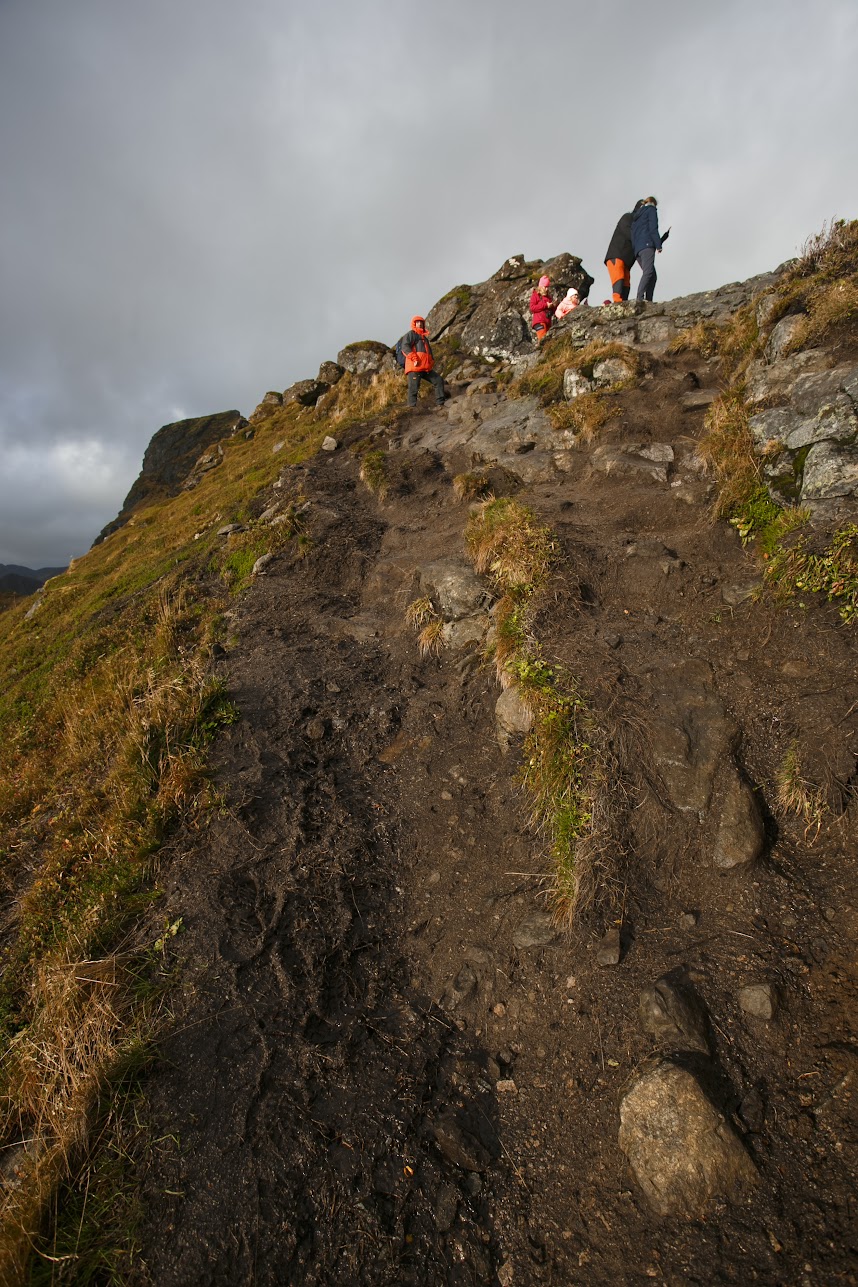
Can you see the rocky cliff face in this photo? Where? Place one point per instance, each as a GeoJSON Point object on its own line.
{"type": "Point", "coordinates": [170, 458]}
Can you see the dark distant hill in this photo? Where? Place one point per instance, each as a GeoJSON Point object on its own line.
{"type": "Point", "coordinates": [20, 580]}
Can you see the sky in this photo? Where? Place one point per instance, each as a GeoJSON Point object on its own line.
{"type": "Point", "coordinates": [202, 200]}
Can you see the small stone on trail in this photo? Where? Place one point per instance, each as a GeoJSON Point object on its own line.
{"type": "Point", "coordinates": [688, 920]}
{"type": "Point", "coordinates": [659, 451]}
{"type": "Point", "coordinates": [733, 595]}
{"type": "Point", "coordinates": [229, 529]}
{"type": "Point", "coordinates": [610, 949]}
{"type": "Point", "coordinates": [698, 400]}
{"type": "Point", "coordinates": [458, 1145]}
{"type": "Point", "coordinates": [433, 878]}
{"type": "Point", "coordinates": [329, 443]}
{"type": "Point", "coordinates": [511, 717]}
{"type": "Point", "coordinates": [672, 1012]}
{"type": "Point", "coordinates": [536, 930]}
{"type": "Point", "coordinates": [757, 999]}
{"type": "Point", "coordinates": [333, 688]}
{"type": "Point", "coordinates": [506, 1087]}
{"type": "Point", "coordinates": [316, 729]}
{"type": "Point", "coordinates": [261, 564]}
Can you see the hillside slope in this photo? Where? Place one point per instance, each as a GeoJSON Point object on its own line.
{"type": "Point", "coordinates": [394, 1064]}
{"type": "Point", "coordinates": [512, 941]}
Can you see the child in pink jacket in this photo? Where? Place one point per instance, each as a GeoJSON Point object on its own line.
{"type": "Point", "coordinates": [541, 309]}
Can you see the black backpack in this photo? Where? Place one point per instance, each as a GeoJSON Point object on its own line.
{"type": "Point", "coordinates": [400, 356]}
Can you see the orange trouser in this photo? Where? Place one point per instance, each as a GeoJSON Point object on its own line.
{"type": "Point", "coordinates": [620, 275]}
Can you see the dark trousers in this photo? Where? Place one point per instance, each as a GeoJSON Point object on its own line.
{"type": "Point", "coordinates": [414, 378]}
{"type": "Point", "coordinates": [646, 263]}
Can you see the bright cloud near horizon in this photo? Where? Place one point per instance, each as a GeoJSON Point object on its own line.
{"type": "Point", "coordinates": [202, 201]}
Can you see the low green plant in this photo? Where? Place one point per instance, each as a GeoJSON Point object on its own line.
{"type": "Point", "coordinates": [795, 568]}
{"type": "Point", "coordinates": [374, 472]}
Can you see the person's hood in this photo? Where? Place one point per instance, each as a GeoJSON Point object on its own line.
{"type": "Point", "coordinates": [421, 329]}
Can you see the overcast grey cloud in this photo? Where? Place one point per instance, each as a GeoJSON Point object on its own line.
{"type": "Point", "coordinates": [202, 200]}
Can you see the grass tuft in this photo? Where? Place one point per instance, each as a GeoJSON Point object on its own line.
{"type": "Point", "coordinates": [430, 641]}
{"type": "Point", "coordinates": [797, 795]}
{"type": "Point", "coordinates": [373, 472]}
{"type": "Point", "coordinates": [467, 487]}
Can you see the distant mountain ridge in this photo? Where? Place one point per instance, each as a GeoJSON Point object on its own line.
{"type": "Point", "coordinates": [15, 579]}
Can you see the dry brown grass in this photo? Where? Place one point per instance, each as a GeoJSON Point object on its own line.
{"type": "Point", "coordinates": [796, 794]}
{"type": "Point", "coordinates": [545, 380]}
{"type": "Point", "coordinates": [355, 399]}
{"type": "Point", "coordinates": [54, 1071]}
{"type": "Point", "coordinates": [584, 415]}
{"type": "Point", "coordinates": [702, 338]}
{"type": "Point", "coordinates": [505, 539]}
{"type": "Point", "coordinates": [473, 486]}
{"type": "Point", "coordinates": [727, 446]}
{"type": "Point", "coordinates": [430, 641]}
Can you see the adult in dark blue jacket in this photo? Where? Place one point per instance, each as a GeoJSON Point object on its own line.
{"type": "Point", "coordinates": [646, 241]}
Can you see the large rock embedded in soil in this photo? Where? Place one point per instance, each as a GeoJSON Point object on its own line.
{"type": "Point", "coordinates": [682, 1150]}
{"type": "Point", "coordinates": [456, 587]}
{"type": "Point", "coordinates": [512, 717]}
{"type": "Point", "coordinates": [365, 357]}
{"type": "Point", "coordinates": [805, 422]}
{"type": "Point", "coordinates": [306, 392]}
{"type": "Point", "coordinates": [741, 832]}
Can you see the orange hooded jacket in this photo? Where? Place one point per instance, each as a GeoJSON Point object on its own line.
{"type": "Point", "coordinates": [420, 357]}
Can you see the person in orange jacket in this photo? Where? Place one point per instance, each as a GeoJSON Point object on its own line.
{"type": "Point", "coordinates": [419, 362]}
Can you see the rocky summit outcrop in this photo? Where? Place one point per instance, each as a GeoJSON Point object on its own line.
{"type": "Point", "coordinates": [172, 454]}
{"type": "Point", "coordinates": [492, 319]}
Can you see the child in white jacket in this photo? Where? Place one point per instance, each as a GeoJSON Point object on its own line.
{"type": "Point", "coordinates": [569, 301]}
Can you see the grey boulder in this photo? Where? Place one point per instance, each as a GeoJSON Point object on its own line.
{"type": "Point", "coordinates": [683, 1152]}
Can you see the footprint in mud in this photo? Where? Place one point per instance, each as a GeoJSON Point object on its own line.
{"type": "Point", "coordinates": [248, 910]}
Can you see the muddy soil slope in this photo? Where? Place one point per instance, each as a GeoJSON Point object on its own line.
{"type": "Point", "coordinates": [387, 1065]}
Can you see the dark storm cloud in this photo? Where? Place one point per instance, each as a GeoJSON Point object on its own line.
{"type": "Point", "coordinates": [201, 200]}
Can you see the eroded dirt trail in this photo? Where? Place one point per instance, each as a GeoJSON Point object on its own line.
{"type": "Point", "coordinates": [388, 1067]}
